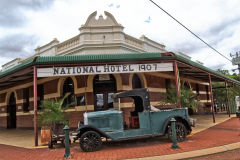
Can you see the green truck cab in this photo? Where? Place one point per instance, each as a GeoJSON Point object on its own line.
{"type": "Point", "coordinates": [145, 121]}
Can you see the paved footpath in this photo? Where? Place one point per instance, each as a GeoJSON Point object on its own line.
{"type": "Point", "coordinates": [225, 133]}
{"type": "Point", "coordinates": [228, 155]}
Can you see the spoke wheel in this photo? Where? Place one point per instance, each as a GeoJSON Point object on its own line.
{"type": "Point", "coordinates": [181, 132]}
{"type": "Point", "coordinates": [90, 141]}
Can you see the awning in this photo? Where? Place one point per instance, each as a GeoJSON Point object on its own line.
{"type": "Point", "coordinates": [24, 72]}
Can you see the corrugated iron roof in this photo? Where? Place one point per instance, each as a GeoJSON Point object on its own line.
{"type": "Point", "coordinates": [17, 67]}
{"type": "Point", "coordinates": [195, 64]}
{"type": "Point", "coordinates": [72, 59]}
{"type": "Point", "coordinates": [121, 57]}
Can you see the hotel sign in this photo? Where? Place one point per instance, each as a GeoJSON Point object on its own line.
{"type": "Point", "coordinates": [103, 69]}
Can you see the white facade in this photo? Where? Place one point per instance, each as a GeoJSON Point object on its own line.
{"type": "Point", "coordinates": [97, 36]}
{"type": "Point", "coordinates": [11, 64]}
{"type": "Point", "coordinates": [103, 36]}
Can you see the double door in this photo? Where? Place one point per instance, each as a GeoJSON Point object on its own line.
{"type": "Point", "coordinates": [103, 91]}
{"type": "Point", "coordinates": [103, 100]}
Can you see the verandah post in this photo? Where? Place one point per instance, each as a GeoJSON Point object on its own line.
{"type": "Point", "coordinates": [227, 99]}
{"type": "Point", "coordinates": [35, 104]}
{"type": "Point", "coordinates": [177, 84]}
{"type": "Point", "coordinates": [211, 93]}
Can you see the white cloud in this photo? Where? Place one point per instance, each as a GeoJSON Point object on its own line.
{"type": "Point", "coordinates": [212, 20]}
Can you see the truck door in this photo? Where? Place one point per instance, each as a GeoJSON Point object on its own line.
{"type": "Point", "coordinates": [144, 120]}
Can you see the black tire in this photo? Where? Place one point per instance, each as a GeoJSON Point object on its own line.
{"type": "Point", "coordinates": [90, 141]}
{"type": "Point", "coordinates": [181, 132]}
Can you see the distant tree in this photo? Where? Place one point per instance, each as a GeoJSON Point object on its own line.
{"type": "Point", "coordinates": [225, 72]}
{"type": "Point", "coordinates": [219, 90]}
{"type": "Point", "coordinates": [235, 76]}
{"type": "Point", "coordinates": [219, 93]}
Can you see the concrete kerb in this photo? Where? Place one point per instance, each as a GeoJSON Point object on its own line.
{"type": "Point", "coordinates": [196, 153]}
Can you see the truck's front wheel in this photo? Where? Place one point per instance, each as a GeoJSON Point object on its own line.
{"type": "Point", "coordinates": [90, 141]}
{"type": "Point", "coordinates": [181, 132]}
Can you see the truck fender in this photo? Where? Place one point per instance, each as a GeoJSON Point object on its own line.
{"type": "Point", "coordinates": [179, 119]}
{"type": "Point", "coordinates": [85, 128]}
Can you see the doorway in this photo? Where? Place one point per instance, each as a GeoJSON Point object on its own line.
{"type": "Point", "coordinates": [11, 110]}
{"type": "Point", "coordinates": [104, 86]}
{"type": "Point", "coordinates": [136, 82]}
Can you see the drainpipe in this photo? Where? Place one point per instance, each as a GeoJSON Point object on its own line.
{"type": "Point", "coordinates": [177, 84]}
{"type": "Point", "coordinates": [35, 104]}
{"type": "Point", "coordinates": [227, 99]}
{"type": "Point", "coordinates": [211, 93]}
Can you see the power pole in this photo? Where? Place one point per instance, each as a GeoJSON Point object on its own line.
{"type": "Point", "coordinates": [236, 61]}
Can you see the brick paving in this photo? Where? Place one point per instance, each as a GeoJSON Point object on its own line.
{"type": "Point", "coordinates": [221, 134]}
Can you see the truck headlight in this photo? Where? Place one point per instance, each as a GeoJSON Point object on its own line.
{"type": "Point", "coordinates": [192, 122]}
{"type": "Point", "coordinates": [85, 118]}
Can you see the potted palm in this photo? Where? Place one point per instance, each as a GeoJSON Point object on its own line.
{"type": "Point", "coordinates": [51, 116]}
{"type": "Point", "coordinates": [187, 98]}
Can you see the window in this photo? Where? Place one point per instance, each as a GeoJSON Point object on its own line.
{"type": "Point", "coordinates": [207, 93]}
{"type": "Point", "coordinates": [197, 91]}
{"type": "Point", "coordinates": [81, 101]}
{"type": "Point", "coordinates": [26, 99]}
{"type": "Point", "coordinates": [136, 82]}
{"type": "Point", "coordinates": [68, 87]}
{"type": "Point", "coordinates": [40, 93]}
{"type": "Point", "coordinates": [186, 85]}
{"type": "Point", "coordinates": [110, 100]}
{"type": "Point", "coordinates": [99, 101]}
{"type": "Point", "coordinates": [167, 85]}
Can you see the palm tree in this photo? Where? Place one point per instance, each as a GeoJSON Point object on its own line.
{"type": "Point", "coordinates": [187, 98]}
{"type": "Point", "coordinates": [52, 112]}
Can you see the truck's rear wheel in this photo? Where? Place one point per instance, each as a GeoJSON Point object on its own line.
{"type": "Point", "coordinates": [90, 141]}
{"type": "Point", "coordinates": [181, 132]}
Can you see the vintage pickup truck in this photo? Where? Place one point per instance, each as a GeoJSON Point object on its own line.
{"type": "Point", "coordinates": [145, 121]}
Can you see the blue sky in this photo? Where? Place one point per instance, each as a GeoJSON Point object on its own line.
{"type": "Point", "coordinates": [26, 24]}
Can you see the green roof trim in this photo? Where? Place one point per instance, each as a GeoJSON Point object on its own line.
{"type": "Point", "coordinates": [73, 59]}
{"type": "Point", "coordinates": [99, 58]}
{"type": "Point", "coordinates": [17, 68]}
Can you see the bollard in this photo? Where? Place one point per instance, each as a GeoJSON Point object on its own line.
{"type": "Point", "coordinates": [67, 154]}
{"type": "Point", "coordinates": [174, 138]}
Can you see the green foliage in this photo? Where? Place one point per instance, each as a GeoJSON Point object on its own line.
{"type": "Point", "coordinates": [235, 76]}
{"type": "Point", "coordinates": [219, 90]}
{"type": "Point", "coordinates": [171, 96]}
{"type": "Point", "coordinates": [52, 112]}
{"type": "Point", "coordinates": [219, 93]}
{"type": "Point", "coordinates": [225, 72]}
{"type": "Point", "coordinates": [187, 98]}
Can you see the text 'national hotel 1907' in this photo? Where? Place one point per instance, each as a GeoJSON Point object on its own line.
{"type": "Point", "coordinates": [104, 69]}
